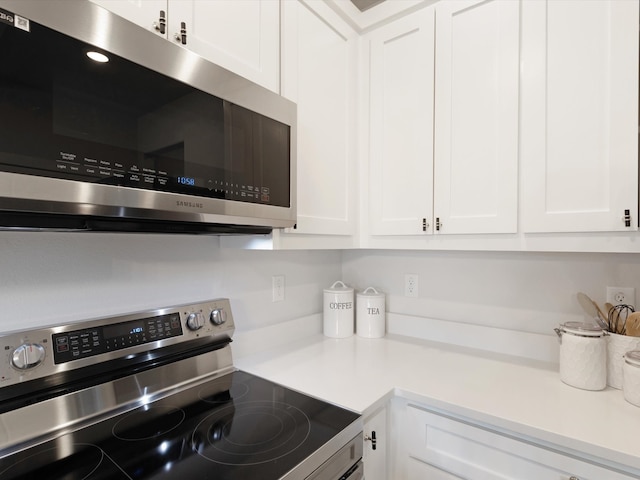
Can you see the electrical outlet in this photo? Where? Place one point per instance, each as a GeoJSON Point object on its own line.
{"type": "Point", "coordinates": [410, 285]}
{"type": "Point", "coordinates": [621, 296]}
{"type": "Point", "coordinates": [277, 288]}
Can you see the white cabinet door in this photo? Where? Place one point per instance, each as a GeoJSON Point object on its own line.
{"type": "Point", "coordinates": [145, 13]}
{"type": "Point", "coordinates": [375, 461]}
{"type": "Point", "coordinates": [476, 116]}
{"type": "Point", "coordinates": [401, 125]}
{"type": "Point", "coordinates": [319, 73]}
{"type": "Point", "coordinates": [579, 115]}
{"type": "Point", "coordinates": [242, 36]}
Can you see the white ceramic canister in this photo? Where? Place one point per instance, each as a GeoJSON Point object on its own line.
{"type": "Point", "coordinates": [631, 377]}
{"type": "Point", "coordinates": [370, 313]}
{"type": "Point", "coordinates": [338, 311]}
{"type": "Point", "coordinates": [583, 355]}
{"type": "Point", "coordinates": [617, 346]}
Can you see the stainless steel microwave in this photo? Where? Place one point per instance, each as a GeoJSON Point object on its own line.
{"type": "Point", "coordinates": [106, 126]}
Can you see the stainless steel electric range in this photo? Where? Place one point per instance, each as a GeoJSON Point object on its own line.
{"type": "Point", "coordinates": [154, 395]}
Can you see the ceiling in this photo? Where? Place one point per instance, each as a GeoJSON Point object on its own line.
{"type": "Point", "coordinates": [363, 5]}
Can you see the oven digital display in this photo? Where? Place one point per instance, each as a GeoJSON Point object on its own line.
{"type": "Point", "coordinates": [123, 329]}
{"type": "Point", "coordinates": [89, 342]}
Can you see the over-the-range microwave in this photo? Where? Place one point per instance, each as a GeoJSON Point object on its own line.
{"type": "Point", "coordinates": [107, 126]}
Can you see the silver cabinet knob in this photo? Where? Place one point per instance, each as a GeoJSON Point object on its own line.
{"type": "Point", "coordinates": [28, 355]}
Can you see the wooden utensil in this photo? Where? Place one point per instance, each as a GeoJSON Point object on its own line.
{"type": "Point", "coordinates": [607, 307]}
{"type": "Point", "coordinates": [633, 325]}
{"type": "Point", "coordinates": [591, 308]}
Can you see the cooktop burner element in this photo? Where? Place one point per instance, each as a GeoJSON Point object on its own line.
{"type": "Point", "coordinates": [262, 431]}
{"type": "Point", "coordinates": [147, 396]}
{"type": "Point", "coordinates": [212, 393]}
{"type": "Point", "coordinates": [81, 462]}
{"type": "Point", "coordinates": [148, 422]}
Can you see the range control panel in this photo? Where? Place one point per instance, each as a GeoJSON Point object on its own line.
{"type": "Point", "coordinates": [88, 342]}
{"type": "Point", "coordinates": [45, 351]}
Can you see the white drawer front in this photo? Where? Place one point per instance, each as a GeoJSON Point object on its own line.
{"type": "Point", "coordinates": [470, 452]}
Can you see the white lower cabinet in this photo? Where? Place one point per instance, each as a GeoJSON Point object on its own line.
{"type": "Point", "coordinates": [435, 446]}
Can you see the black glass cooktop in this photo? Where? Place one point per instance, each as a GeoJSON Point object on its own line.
{"type": "Point", "coordinates": [236, 427]}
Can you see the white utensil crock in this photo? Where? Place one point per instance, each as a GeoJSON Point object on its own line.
{"type": "Point", "coordinates": [583, 355]}
{"type": "Point", "coordinates": [617, 346]}
{"type": "Point", "coordinates": [338, 311]}
{"type": "Point", "coordinates": [370, 313]}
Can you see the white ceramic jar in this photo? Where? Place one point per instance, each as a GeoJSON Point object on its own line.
{"type": "Point", "coordinates": [338, 311]}
{"type": "Point", "coordinates": [631, 377]}
{"type": "Point", "coordinates": [370, 313]}
{"type": "Point", "coordinates": [583, 355]}
{"type": "Point", "coordinates": [617, 346]}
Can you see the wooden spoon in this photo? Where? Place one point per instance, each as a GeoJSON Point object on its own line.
{"type": "Point", "coordinates": [633, 324]}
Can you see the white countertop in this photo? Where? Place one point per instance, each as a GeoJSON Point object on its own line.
{"type": "Point", "coordinates": [520, 397]}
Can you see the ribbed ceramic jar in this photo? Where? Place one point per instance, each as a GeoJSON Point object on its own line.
{"type": "Point", "coordinates": [631, 377]}
{"type": "Point", "coordinates": [583, 355]}
{"type": "Point", "coordinates": [617, 346]}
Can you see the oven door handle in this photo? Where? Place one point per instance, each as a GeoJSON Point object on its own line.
{"type": "Point", "coordinates": [355, 473]}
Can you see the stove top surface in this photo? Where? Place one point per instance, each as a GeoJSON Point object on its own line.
{"type": "Point", "coordinates": [237, 426]}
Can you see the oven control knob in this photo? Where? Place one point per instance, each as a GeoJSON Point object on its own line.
{"type": "Point", "coordinates": [195, 321]}
{"type": "Point", "coordinates": [27, 355]}
{"type": "Point", "coordinates": [218, 316]}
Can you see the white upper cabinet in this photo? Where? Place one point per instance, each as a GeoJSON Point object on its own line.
{"type": "Point", "coordinates": [476, 116]}
{"type": "Point", "coordinates": [401, 85]}
{"type": "Point", "coordinates": [579, 115]}
{"type": "Point", "coordinates": [449, 166]}
{"type": "Point", "coordinates": [241, 36]}
{"type": "Point", "coordinates": [145, 13]}
{"type": "Point", "coordinates": [319, 73]}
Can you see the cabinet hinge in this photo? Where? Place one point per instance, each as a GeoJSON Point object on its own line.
{"type": "Point", "coordinates": [438, 224]}
{"type": "Point", "coordinates": [425, 225]}
{"type": "Point", "coordinates": [627, 218]}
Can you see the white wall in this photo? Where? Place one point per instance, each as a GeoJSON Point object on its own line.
{"type": "Point", "coordinates": [516, 292]}
{"type": "Point", "coordinates": [52, 278]}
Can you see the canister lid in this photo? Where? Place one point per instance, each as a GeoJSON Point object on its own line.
{"type": "Point", "coordinates": [370, 292]}
{"type": "Point", "coordinates": [339, 289]}
{"type": "Point", "coordinates": [582, 328]}
{"type": "Point", "coordinates": [633, 358]}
